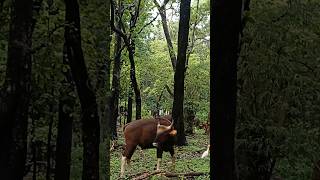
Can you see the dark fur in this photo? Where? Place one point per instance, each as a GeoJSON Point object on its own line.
{"type": "Point", "coordinates": [143, 133]}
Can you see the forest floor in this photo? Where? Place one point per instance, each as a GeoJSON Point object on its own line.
{"type": "Point", "coordinates": [188, 160]}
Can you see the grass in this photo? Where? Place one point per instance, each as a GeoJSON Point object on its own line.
{"type": "Point", "coordinates": [187, 159]}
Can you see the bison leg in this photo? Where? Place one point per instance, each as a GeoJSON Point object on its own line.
{"type": "Point", "coordinates": [173, 158]}
{"type": "Point", "coordinates": [123, 165]}
{"type": "Point", "coordinates": [159, 157]}
{"type": "Point", "coordinates": [126, 156]}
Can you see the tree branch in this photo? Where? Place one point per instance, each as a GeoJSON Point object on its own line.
{"type": "Point", "coordinates": [190, 48]}
{"type": "Point", "coordinates": [148, 23]}
{"type": "Point", "coordinates": [169, 90]}
{"type": "Point", "coordinates": [115, 29]}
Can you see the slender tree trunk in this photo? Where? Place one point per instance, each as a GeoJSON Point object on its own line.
{"type": "Point", "coordinates": [64, 139]}
{"type": "Point", "coordinates": [192, 38]}
{"type": "Point", "coordinates": [34, 161]}
{"type": "Point", "coordinates": [48, 172]}
{"type": "Point", "coordinates": [116, 76]}
{"type": "Point", "coordinates": [225, 28]}
{"type": "Point", "coordinates": [65, 120]}
{"type": "Point", "coordinates": [129, 43]}
{"type": "Point", "coordinates": [179, 75]}
{"type": "Point", "coordinates": [129, 116]}
{"type": "Point", "coordinates": [316, 171]}
{"type": "Point", "coordinates": [162, 11]}
{"type": "Point", "coordinates": [15, 96]}
{"type": "Point", "coordinates": [89, 116]}
{"type": "Point", "coordinates": [115, 85]}
{"type": "Point", "coordinates": [134, 83]}
{"type": "Point", "coordinates": [189, 120]}
{"type": "Point", "coordinates": [34, 117]}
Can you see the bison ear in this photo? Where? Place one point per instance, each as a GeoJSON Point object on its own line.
{"type": "Point", "coordinates": [173, 133]}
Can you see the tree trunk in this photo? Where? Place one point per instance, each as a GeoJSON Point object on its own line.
{"type": "Point", "coordinates": [179, 75]}
{"type": "Point", "coordinates": [48, 172]}
{"type": "Point", "coordinates": [129, 43]}
{"type": "Point", "coordinates": [89, 116]}
{"type": "Point", "coordinates": [64, 139]}
{"type": "Point", "coordinates": [129, 116]}
{"type": "Point", "coordinates": [104, 68]}
{"type": "Point", "coordinates": [34, 160]}
{"type": "Point", "coordinates": [15, 96]}
{"type": "Point", "coordinates": [134, 83]}
{"type": "Point", "coordinates": [115, 85]}
{"type": "Point", "coordinates": [189, 117]}
{"type": "Point", "coordinates": [64, 135]}
{"type": "Point", "coordinates": [316, 171]}
{"type": "Point", "coordinates": [225, 28]}
{"type": "Point", "coordinates": [162, 12]}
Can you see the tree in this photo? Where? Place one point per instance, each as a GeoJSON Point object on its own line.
{"type": "Point", "coordinates": [65, 121]}
{"type": "Point", "coordinates": [89, 116]}
{"type": "Point", "coordinates": [276, 121]}
{"type": "Point", "coordinates": [116, 75]}
{"type": "Point", "coordinates": [225, 28]}
{"type": "Point", "coordinates": [130, 45]}
{"type": "Point", "coordinates": [15, 94]}
{"type": "Point", "coordinates": [179, 75]}
{"type": "Point", "coordinates": [162, 11]}
{"type": "Point", "coordinates": [103, 42]}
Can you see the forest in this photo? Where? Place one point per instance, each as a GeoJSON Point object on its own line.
{"type": "Point", "coordinates": [99, 89]}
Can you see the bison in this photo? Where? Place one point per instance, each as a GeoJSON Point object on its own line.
{"type": "Point", "coordinates": [148, 133]}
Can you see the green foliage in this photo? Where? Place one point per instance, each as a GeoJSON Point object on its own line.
{"type": "Point", "coordinates": [278, 98]}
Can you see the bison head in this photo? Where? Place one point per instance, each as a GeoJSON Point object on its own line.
{"type": "Point", "coordinates": [163, 133]}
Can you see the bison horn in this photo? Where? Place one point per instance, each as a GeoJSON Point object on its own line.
{"type": "Point", "coordinates": [171, 124]}
{"type": "Point", "coordinates": [164, 127]}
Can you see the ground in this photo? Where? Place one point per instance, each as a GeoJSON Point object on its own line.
{"type": "Point", "coordinates": [188, 159]}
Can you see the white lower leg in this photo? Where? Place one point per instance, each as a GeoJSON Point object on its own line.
{"type": "Point", "coordinates": [128, 163]}
{"type": "Point", "coordinates": [158, 164]}
{"type": "Point", "coordinates": [123, 164]}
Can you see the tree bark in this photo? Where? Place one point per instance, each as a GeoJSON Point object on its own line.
{"type": "Point", "coordinates": [65, 120]}
{"type": "Point", "coordinates": [48, 172]}
{"type": "Point", "coordinates": [316, 171]}
{"type": "Point", "coordinates": [15, 96]}
{"type": "Point", "coordinates": [225, 28]}
{"type": "Point", "coordinates": [64, 139]}
{"type": "Point", "coordinates": [115, 92]}
{"type": "Point", "coordinates": [129, 116]}
{"type": "Point", "coordinates": [179, 75]}
{"type": "Point", "coordinates": [192, 38]}
{"type": "Point", "coordinates": [189, 116]}
{"type": "Point", "coordinates": [162, 11]}
{"type": "Point", "coordinates": [89, 116]}
{"type": "Point", "coordinates": [104, 69]}
{"type": "Point", "coordinates": [129, 43]}
{"type": "Point", "coordinates": [134, 84]}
